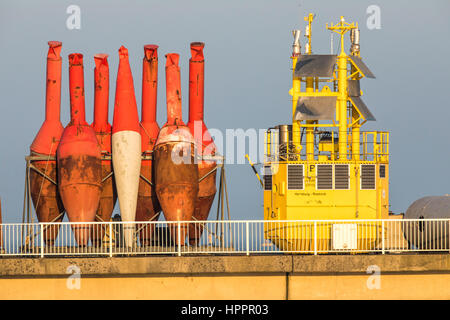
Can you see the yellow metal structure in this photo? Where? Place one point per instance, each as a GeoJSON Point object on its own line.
{"type": "Point", "coordinates": [337, 172]}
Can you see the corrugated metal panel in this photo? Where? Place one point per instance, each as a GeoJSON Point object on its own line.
{"type": "Point", "coordinates": [315, 65]}
{"type": "Point", "coordinates": [316, 108]}
{"type": "Point", "coordinates": [295, 177]}
{"type": "Point", "coordinates": [361, 66]}
{"type": "Point", "coordinates": [267, 178]}
{"type": "Point", "coordinates": [362, 108]}
{"type": "Point", "coordinates": [368, 176]}
{"type": "Point", "coordinates": [341, 176]}
{"type": "Point", "coordinates": [324, 177]}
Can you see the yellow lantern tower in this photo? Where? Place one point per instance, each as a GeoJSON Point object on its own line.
{"type": "Point", "coordinates": [322, 167]}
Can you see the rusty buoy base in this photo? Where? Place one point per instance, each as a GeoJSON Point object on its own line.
{"type": "Point", "coordinates": [79, 212]}
{"type": "Point", "coordinates": [178, 203]}
{"type": "Point", "coordinates": [46, 200]}
{"type": "Point", "coordinates": [80, 191]}
{"type": "Point", "coordinates": [108, 199]}
{"type": "Point", "coordinates": [176, 187]}
{"type": "Point", "coordinates": [206, 193]}
{"type": "Point", "coordinates": [148, 207]}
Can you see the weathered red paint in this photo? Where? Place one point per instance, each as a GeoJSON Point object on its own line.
{"type": "Point", "coordinates": [204, 142]}
{"type": "Point", "coordinates": [103, 130]}
{"type": "Point", "coordinates": [125, 117]}
{"type": "Point", "coordinates": [44, 193]}
{"type": "Point", "coordinates": [47, 139]}
{"type": "Point", "coordinates": [176, 181]}
{"type": "Point", "coordinates": [148, 207]}
{"type": "Point", "coordinates": [79, 159]}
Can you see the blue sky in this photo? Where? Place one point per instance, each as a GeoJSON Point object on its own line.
{"type": "Point", "coordinates": [248, 44]}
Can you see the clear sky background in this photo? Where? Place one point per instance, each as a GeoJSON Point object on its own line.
{"type": "Point", "coordinates": [248, 76]}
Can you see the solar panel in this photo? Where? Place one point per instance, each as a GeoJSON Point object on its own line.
{"type": "Point", "coordinates": [316, 108]}
{"type": "Point", "coordinates": [361, 66]}
{"type": "Point", "coordinates": [362, 108]}
{"type": "Point", "coordinates": [353, 88]}
{"type": "Point", "coordinates": [315, 65]}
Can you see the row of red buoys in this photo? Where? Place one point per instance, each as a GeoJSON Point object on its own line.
{"type": "Point", "coordinates": [136, 162]}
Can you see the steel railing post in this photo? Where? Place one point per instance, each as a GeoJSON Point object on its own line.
{"type": "Point", "coordinates": [315, 237]}
{"type": "Point", "coordinates": [179, 238]}
{"type": "Point", "coordinates": [110, 238]}
{"type": "Point", "coordinates": [247, 238]}
{"type": "Point", "coordinates": [382, 237]}
{"type": "Point", "coordinates": [42, 239]}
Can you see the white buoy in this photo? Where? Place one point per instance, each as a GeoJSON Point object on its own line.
{"type": "Point", "coordinates": [126, 147]}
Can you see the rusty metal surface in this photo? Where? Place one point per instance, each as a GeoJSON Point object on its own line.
{"type": "Point", "coordinates": [206, 193]}
{"type": "Point", "coordinates": [79, 158]}
{"type": "Point", "coordinates": [80, 187]}
{"type": "Point", "coordinates": [176, 186]}
{"type": "Point", "coordinates": [46, 199]}
{"type": "Point", "coordinates": [108, 199]}
{"type": "Point", "coordinates": [148, 207]}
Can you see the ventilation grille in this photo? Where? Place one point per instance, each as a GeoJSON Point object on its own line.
{"type": "Point", "coordinates": [324, 177]}
{"type": "Point", "coordinates": [367, 176]}
{"type": "Point", "coordinates": [295, 177]}
{"type": "Point", "coordinates": [341, 176]}
{"type": "Point", "coordinates": [382, 171]}
{"type": "Point", "coordinates": [267, 178]}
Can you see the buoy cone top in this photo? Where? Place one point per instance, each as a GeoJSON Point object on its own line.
{"type": "Point", "coordinates": [75, 59]}
{"type": "Point", "coordinates": [54, 50]}
{"type": "Point", "coordinates": [172, 60]}
{"type": "Point", "coordinates": [151, 51]}
{"type": "Point", "coordinates": [101, 59]}
{"type": "Point", "coordinates": [126, 116]}
{"type": "Point", "coordinates": [197, 51]}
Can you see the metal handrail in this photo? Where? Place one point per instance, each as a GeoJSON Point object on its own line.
{"type": "Point", "coordinates": [237, 237]}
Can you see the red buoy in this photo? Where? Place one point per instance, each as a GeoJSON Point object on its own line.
{"type": "Point", "coordinates": [102, 130]}
{"type": "Point", "coordinates": [44, 193]}
{"type": "Point", "coordinates": [205, 144]}
{"type": "Point", "coordinates": [176, 172]}
{"type": "Point", "coordinates": [79, 159]}
{"type": "Point", "coordinates": [148, 207]}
